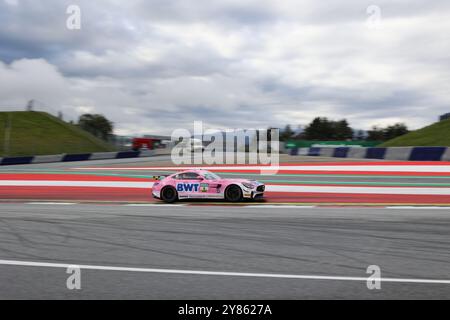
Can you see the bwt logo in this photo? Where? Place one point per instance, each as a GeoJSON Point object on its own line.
{"type": "Point", "coordinates": [187, 187]}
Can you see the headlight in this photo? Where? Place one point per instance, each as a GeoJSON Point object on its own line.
{"type": "Point", "coordinates": [248, 185]}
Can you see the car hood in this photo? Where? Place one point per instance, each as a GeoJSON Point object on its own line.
{"type": "Point", "coordinates": [239, 181]}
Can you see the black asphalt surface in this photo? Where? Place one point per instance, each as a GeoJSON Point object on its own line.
{"type": "Point", "coordinates": [407, 243]}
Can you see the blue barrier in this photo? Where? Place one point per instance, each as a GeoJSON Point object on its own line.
{"type": "Point", "coordinates": [416, 154]}
{"type": "Point", "coordinates": [341, 152]}
{"type": "Point", "coordinates": [76, 157]}
{"type": "Point", "coordinates": [314, 151]}
{"type": "Point", "coordinates": [127, 154]}
{"type": "Point", "coordinates": [16, 160]}
{"type": "Point", "coordinates": [293, 151]}
{"type": "Point", "coordinates": [392, 153]}
{"type": "Point", "coordinates": [427, 153]}
{"type": "Point", "coordinates": [73, 157]}
{"type": "Point", "coordinates": [375, 153]}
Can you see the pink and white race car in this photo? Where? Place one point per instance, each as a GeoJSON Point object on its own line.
{"type": "Point", "coordinates": [202, 184]}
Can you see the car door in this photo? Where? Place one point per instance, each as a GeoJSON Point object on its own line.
{"type": "Point", "coordinates": [210, 189]}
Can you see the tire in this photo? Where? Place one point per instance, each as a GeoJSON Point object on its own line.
{"type": "Point", "coordinates": [169, 194]}
{"type": "Point", "coordinates": [233, 193]}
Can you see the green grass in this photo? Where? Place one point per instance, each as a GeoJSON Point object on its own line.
{"type": "Point", "coordinates": [39, 133]}
{"type": "Point", "coordinates": [437, 135]}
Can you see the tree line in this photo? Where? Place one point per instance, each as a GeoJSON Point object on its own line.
{"type": "Point", "coordinates": [320, 128]}
{"type": "Point", "coordinates": [96, 124]}
{"type": "Point", "coordinates": [323, 129]}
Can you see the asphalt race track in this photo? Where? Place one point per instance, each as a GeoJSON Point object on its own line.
{"type": "Point", "coordinates": [409, 244]}
{"type": "Point", "coordinates": [130, 246]}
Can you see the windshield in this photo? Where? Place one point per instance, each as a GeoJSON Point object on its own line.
{"type": "Point", "coordinates": [210, 176]}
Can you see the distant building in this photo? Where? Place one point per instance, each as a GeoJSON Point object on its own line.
{"type": "Point", "coordinates": [159, 141]}
{"type": "Point", "coordinates": [445, 116]}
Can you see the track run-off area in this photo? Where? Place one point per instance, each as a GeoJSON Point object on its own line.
{"type": "Point", "coordinates": [294, 183]}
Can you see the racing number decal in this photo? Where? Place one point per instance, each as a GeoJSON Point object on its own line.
{"type": "Point", "coordinates": [187, 187]}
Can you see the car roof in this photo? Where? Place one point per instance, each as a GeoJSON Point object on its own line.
{"type": "Point", "coordinates": [199, 171]}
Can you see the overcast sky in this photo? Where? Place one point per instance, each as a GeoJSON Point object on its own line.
{"type": "Point", "coordinates": [153, 66]}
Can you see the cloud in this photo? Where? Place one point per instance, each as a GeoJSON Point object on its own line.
{"type": "Point", "coordinates": [153, 66]}
{"type": "Point", "coordinates": [25, 79]}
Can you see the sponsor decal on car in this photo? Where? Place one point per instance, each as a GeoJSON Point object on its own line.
{"type": "Point", "coordinates": [187, 187]}
{"type": "Point", "coordinates": [204, 187]}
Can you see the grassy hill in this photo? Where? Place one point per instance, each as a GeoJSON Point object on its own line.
{"type": "Point", "coordinates": [437, 135]}
{"type": "Point", "coordinates": [39, 133]}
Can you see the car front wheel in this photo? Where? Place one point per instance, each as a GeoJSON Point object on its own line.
{"type": "Point", "coordinates": [169, 194]}
{"type": "Point", "coordinates": [233, 193]}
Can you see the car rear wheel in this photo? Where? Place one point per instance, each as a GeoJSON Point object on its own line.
{"type": "Point", "coordinates": [233, 193]}
{"type": "Point", "coordinates": [169, 194]}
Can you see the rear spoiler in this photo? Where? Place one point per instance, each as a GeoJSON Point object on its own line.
{"type": "Point", "coordinates": [159, 177]}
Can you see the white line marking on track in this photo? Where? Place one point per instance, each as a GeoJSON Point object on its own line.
{"type": "Point", "coordinates": [271, 206]}
{"type": "Point", "coordinates": [280, 206]}
{"type": "Point", "coordinates": [418, 207]}
{"type": "Point", "coordinates": [51, 203]}
{"type": "Point", "coordinates": [217, 273]}
{"type": "Point", "coordinates": [269, 187]}
{"type": "Point", "coordinates": [153, 205]}
{"type": "Point", "coordinates": [61, 183]}
{"type": "Point", "coordinates": [358, 190]}
{"type": "Point", "coordinates": [373, 168]}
